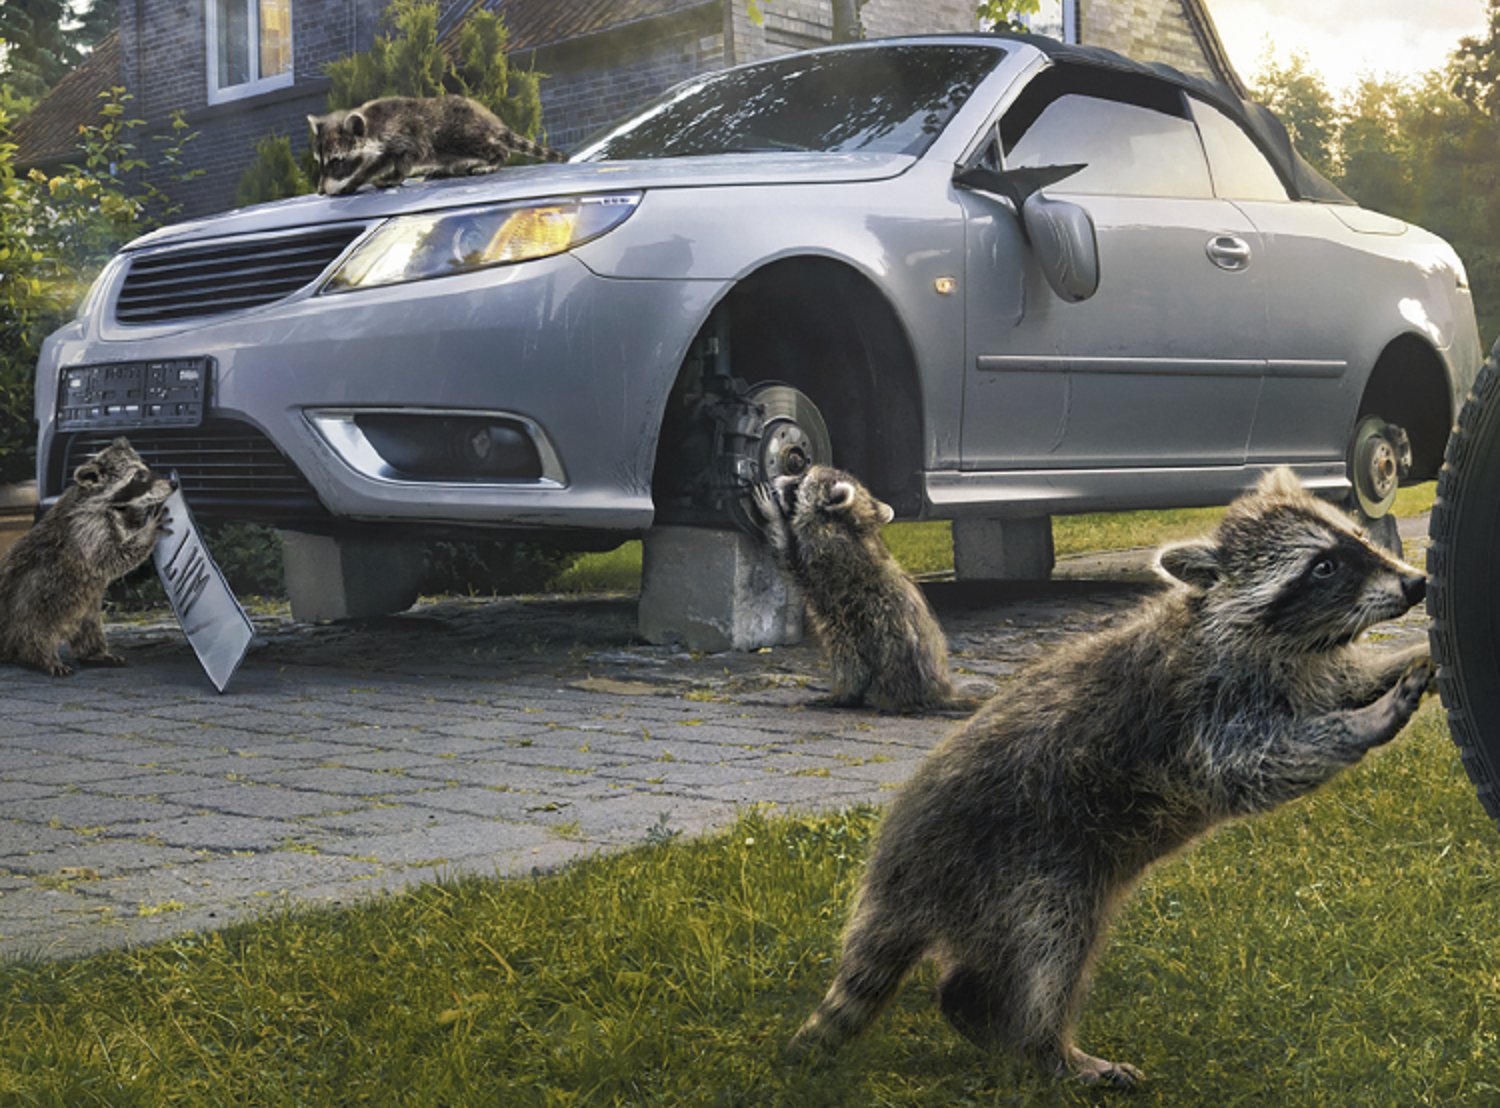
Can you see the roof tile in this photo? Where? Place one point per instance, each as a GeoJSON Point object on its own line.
{"type": "Point", "coordinates": [50, 130]}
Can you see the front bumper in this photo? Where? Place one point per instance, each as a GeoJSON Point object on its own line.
{"type": "Point", "coordinates": [584, 362]}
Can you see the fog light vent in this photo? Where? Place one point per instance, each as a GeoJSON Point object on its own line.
{"type": "Point", "coordinates": [452, 448]}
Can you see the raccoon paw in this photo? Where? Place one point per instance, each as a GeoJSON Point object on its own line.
{"type": "Point", "coordinates": [1101, 1071]}
{"type": "Point", "coordinates": [764, 499]}
{"type": "Point", "coordinates": [55, 667]}
{"type": "Point", "coordinates": [106, 658]}
{"type": "Point", "coordinates": [1415, 683]}
{"type": "Point", "coordinates": [160, 519]}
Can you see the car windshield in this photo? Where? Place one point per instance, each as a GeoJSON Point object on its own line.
{"type": "Point", "coordinates": [886, 99]}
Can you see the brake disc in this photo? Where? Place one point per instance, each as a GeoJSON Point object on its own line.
{"type": "Point", "coordinates": [1379, 456]}
{"type": "Point", "coordinates": [774, 430]}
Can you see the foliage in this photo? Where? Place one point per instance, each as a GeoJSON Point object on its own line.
{"type": "Point", "coordinates": [46, 38]}
{"type": "Point", "coordinates": [483, 71]}
{"type": "Point", "coordinates": [55, 234]}
{"type": "Point", "coordinates": [275, 174]}
{"type": "Point", "coordinates": [248, 553]}
{"type": "Point", "coordinates": [1007, 15]}
{"type": "Point", "coordinates": [1338, 952]}
{"type": "Point", "coordinates": [408, 61]}
{"type": "Point", "coordinates": [493, 568]}
{"type": "Point", "coordinates": [1298, 95]}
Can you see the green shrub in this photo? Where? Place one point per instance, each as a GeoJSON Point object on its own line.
{"type": "Point", "coordinates": [494, 568]}
{"type": "Point", "coordinates": [274, 174]}
{"type": "Point", "coordinates": [56, 233]}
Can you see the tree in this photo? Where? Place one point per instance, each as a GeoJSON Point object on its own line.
{"type": "Point", "coordinates": [43, 39]}
{"type": "Point", "coordinates": [1474, 70]}
{"type": "Point", "coordinates": [1007, 15]}
{"type": "Point", "coordinates": [407, 61]}
{"type": "Point", "coordinates": [55, 234]}
{"type": "Point", "coordinates": [1298, 95]}
{"type": "Point", "coordinates": [846, 24]}
{"type": "Point", "coordinates": [273, 175]}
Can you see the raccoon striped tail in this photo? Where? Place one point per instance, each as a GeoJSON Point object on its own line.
{"type": "Point", "coordinates": [867, 978]}
{"type": "Point", "coordinates": [534, 149]}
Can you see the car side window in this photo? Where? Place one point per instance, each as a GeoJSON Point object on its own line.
{"type": "Point", "coordinates": [1134, 134]}
{"type": "Point", "coordinates": [1239, 170]}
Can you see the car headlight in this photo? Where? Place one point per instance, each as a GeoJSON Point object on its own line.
{"type": "Point", "coordinates": [439, 244]}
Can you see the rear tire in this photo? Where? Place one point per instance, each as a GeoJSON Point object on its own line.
{"type": "Point", "coordinates": [1463, 597]}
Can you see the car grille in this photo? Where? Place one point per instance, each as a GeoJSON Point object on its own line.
{"type": "Point", "coordinates": [224, 467]}
{"type": "Point", "coordinates": [194, 281]}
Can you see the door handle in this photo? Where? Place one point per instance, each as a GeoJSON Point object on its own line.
{"type": "Point", "coordinates": [1228, 252]}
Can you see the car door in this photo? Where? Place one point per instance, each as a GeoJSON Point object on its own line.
{"type": "Point", "coordinates": [1162, 365]}
{"type": "Point", "coordinates": [1314, 305]}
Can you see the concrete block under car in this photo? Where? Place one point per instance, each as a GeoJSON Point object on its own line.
{"type": "Point", "coordinates": [329, 578]}
{"type": "Point", "coordinates": [1003, 549]}
{"type": "Point", "coordinates": [714, 590]}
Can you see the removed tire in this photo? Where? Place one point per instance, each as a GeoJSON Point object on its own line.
{"type": "Point", "coordinates": [1463, 597]}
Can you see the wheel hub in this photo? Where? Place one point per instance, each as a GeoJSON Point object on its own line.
{"type": "Point", "coordinates": [777, 432]}
{"type": "Point", "coordinates": [1380, 455]}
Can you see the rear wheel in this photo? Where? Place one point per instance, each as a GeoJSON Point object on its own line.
{"type": "Point", "coordinates": [1464, 594]}
{"type": "Point", "coordinates": [1379, 456]}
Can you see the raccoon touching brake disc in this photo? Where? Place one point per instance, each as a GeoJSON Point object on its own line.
{"type": "Point", "coordinates": [1240, 688]}
{"type": "Point", "coordinates": [884, 645]}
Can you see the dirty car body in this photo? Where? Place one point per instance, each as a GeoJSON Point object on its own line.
{"type": "Point", "coordinates": [993, 275]}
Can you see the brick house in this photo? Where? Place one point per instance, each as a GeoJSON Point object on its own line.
{"type": "Point", "coordinates": [242, 69]}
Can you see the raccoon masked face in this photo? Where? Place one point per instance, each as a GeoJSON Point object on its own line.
{"type": "Point", "coordinates": [119, 476]}
{"type": "Point", "coordinates": [344, 151]}
{"type": "Point", "coordinates": [1295, 570]}
{"type": "Point", "coordinates": [1342, 587]}
{"type": "Point", "coordinates": [824, 495]}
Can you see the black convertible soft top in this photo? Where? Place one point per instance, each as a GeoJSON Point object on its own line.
{"type": "Point", "coordinates": [1305, 182]}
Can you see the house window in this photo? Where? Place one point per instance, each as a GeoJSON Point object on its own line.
{"type": "Point", "coordinates": [249, 47]}
{"type": "Point", "coordinates": [1058, 18]}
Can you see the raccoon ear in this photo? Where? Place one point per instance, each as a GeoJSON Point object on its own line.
{"type": "Point", "coordinates": [87, 475]}
{"type": "Point", "coordinates": [354, 123]}
{"type": "Point", "coordinates": [840, 496]}
{"type": "Point", "coordinates": [1280, 481]}
{"type": "Point", "coordinates": [884, 511]}
{"type": "Point", "coordinates": [1194, 564]}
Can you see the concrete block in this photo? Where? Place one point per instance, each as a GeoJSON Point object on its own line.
{"type": "Point", "coordinates": [1003, 549]}
{"type": "Point", "coordinates": [714, 590]}
{"type": "Point", "coordinates": [331, 578]}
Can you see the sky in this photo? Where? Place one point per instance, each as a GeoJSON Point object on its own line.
{"type": "Point", "coordinates": [1344, 38]}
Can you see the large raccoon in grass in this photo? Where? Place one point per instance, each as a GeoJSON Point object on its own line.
{"type": "Point", "coordinates": [52, 580]}
{"type": "Point", "coordinates": [1240, 688]}
{"type": "Point", "coordinates": [385, 141]}
{"type": "Point", "coordinates": [884, 645]}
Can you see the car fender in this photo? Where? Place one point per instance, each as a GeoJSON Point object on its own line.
{"type": "Point", "coordinates": [903, 235]}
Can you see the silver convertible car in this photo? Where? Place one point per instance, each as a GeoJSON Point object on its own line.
{"type": "Point", "coordinates": [996, 276]}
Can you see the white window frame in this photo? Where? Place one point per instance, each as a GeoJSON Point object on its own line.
{"type": "Point", "coordinates": [254, 86]}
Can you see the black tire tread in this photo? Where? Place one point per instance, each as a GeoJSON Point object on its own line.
{"type": "Point", "coordinates": [1459, 491]}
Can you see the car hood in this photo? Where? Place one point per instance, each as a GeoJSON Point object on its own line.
{"type": "Point", "coordinates": [535, 182]}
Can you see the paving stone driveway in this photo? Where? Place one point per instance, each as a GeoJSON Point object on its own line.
{"type": "Point", "coordinates": [495, 737]}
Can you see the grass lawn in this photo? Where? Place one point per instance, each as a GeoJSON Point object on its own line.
{"type": "Point", "coordinates": [928, 547]}
{"type": "Point", "coordinates": [1342, 951]}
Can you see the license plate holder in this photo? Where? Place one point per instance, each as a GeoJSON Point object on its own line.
{"type": "Point", "coordinates": [171, 392]}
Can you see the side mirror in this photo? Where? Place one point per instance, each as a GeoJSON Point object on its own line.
{"type": "Point", "coordinates": [1062, 234]}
